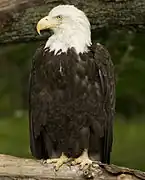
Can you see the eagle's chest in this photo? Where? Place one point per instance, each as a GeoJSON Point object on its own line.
{"type": "Point", "coordinates": [64, 71]}
{"type": "Point", "coordinates": [67, 77]}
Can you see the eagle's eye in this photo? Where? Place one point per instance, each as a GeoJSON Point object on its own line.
{"type": "Point", "coordinates": [59, 17]}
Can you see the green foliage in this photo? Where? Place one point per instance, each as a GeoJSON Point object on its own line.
{"type": "Point", "coordinates": [15, 64]}
{"type": "Point", "coordinates": [129, 144]}
{"type": "Point", "coordinates": [14, 137]}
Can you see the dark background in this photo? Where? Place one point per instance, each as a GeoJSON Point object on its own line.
{"type": "Point", "coordinates": [128, 54]}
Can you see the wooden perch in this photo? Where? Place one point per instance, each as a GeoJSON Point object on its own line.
{"type": "Point", "coordinates": [20, 168]}
{"type": "Point", "coordinates": [18, 18]}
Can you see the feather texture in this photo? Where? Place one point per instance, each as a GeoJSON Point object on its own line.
{"type": "Point", "coordinates": [70, 94]}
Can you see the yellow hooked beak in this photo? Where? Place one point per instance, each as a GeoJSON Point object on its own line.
{"type": "Point", "coordinates": [44, 23]}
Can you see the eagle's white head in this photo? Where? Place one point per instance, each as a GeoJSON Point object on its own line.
{"type": "Point", "coordinates": [71, 28]}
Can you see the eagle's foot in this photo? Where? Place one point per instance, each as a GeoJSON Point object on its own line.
{"type": "Point", "coordinates": [83, 161]}
{"type": "Point", "coordinates": [58, 161]}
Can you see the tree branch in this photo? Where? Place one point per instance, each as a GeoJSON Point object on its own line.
{"type": "Point", "coordinates": [20, 168]}
{"type": "Point", "coordinates": [18, 18]}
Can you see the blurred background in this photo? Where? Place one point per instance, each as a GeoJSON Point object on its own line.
{"type": "Point", "coordinates": [128, 54]}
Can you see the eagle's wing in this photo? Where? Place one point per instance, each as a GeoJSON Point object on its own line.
{"type": "Point", "coordinates": [107, 82]}
{"type": "Point", "coordinates": [36, 113]}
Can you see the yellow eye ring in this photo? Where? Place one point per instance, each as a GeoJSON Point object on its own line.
{"type": "Point", "coordinates": [58, 17]}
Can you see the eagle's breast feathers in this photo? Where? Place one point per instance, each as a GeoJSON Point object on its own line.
{"type": "Point", "coordinates": [70, 91]}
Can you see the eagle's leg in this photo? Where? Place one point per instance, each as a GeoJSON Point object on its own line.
{"type": "Point", "coordinates": [58, 161]}
{"type": "Point", "coordinates": [83, 160]}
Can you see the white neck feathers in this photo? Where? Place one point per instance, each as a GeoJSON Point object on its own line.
{"type": "Point", "coordinates": [75, 34]}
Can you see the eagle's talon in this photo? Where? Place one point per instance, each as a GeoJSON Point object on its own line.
{"type": "Point", "coordinates": [50, 161]}
{"type": "Point", "coordinates": [85, 164]}
{"type": "Point", "coordinates": [83, 161]}
{"type": "Point", "coordinates": [58, 161]}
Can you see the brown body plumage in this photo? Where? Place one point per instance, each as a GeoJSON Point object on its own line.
{"type": "Point", "coordinates": [72, 103]}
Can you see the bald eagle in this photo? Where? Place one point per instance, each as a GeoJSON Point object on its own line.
{"type": "Point", "coordinates": [72, 93]}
